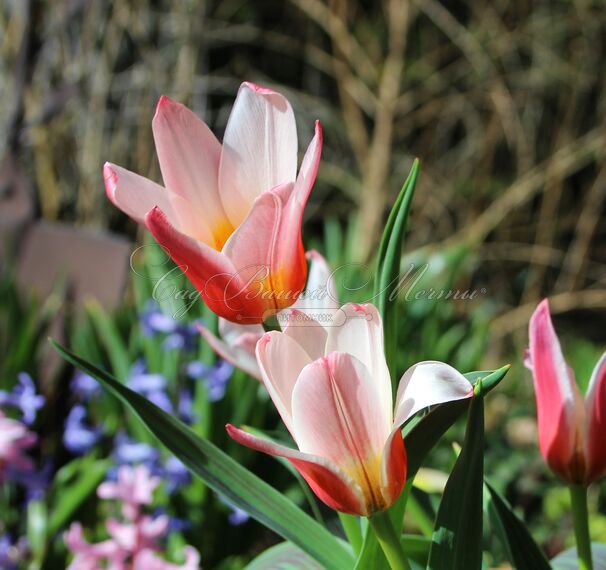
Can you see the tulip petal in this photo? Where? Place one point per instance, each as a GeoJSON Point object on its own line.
{"type": "Point", "coordinates": [136, 195]}
{"type": "Point", "coordinates": [362, 336]}
{"type": "Point", "coordinates": [236, 345]}
{"type": "Point", "coordinates": [320, 291]}
{"type": "Point", "coordinates": [281, 359]}
{"type": "Point", "coordinates": [254, 248]}
{"type": "Point", "coordinates": [211, 273]}
{"type": "Point", "coordinates": [309, 167]}
{"type": "Point", "coordinates": [556, 393]}
{"type": "Point", "coordinates": [393, 466]}
{"type": "Point", "coordinates": [427, 384]}
{"type": "Point", "coordinates": [595, 408]}
{"type": "Point", "coordinates": [189, 156]}
{"type": "Point", "coordinates": [339, 415]}
{"type": "Point", "coordinates": [259, 149]}
{"type": "Point", "coordinates": [289, 244]}
{"type": "Point", "coordinates": [305, 331]}
{"type": "Point", "coordinates": [328, 482]}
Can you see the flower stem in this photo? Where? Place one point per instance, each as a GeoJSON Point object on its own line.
{"type": "Point", "coordinates": [388, 539]}
{"type": "Point", "coordinates": [580, 517]}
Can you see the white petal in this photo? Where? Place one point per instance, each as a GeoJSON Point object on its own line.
{"type": "Point", "coordinates": [427, 384]}
{"type": "Point", "coordinates": [259, 149]}
{"type": "Point", "coordinates": [281, 359]}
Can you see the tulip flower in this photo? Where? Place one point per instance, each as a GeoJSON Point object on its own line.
{"type": "Point", "coordinates": [571, 428]}
{"type": "Point", "coordinates": [236, 343]}
{"type": "Point", "coordinates": [230, 215]}
{"type": "Point", "coordinates": [332, 388]}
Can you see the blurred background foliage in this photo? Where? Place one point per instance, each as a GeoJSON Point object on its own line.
{"type": "Point", "coordinates": [504, 103]}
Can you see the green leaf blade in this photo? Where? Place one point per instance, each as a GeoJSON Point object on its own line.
{"type": "Point", "coordinates": [388, 267]}
{"type": "Point", "coordinates": [522, 550]}
{"type": "Point", "coordinates": [457, 538]}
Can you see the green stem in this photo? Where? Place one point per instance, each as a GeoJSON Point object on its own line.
{"type": "Point", "coordinates": [580, 517]}
{"type": "Point", "coordinates": [388, 539]}
{"type": "Point", "coordinates": [351, 526]}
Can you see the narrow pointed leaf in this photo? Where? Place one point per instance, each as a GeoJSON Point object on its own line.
{"type": "Point", "coordinates": [522, 551]}
{"type": "Point", "coordinates": [388, 267]}
{"type": "Point", "coordinates": [225, 476]}
{"type": "Point", "coordinates": [457, 538]}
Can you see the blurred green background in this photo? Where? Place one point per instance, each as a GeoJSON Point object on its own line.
{"type": "Point", "coordinates": [503, 102]}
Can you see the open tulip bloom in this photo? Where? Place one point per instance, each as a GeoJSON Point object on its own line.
{"type": "Point", "coordinates": [230, 215]}
{"type": "Point", "coordinates": [572, 429]}
{"type": "Point", "coordinates": [332, 389]}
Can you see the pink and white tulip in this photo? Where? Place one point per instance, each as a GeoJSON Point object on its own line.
{"type": "Point", "coordinates": [571, 427]}
{"type": "Point", "coordinates": [332, 388]}
{"type": "Point", "coordinates": [237, 343]}
{"type": "Point", "coordinates": [15, 439]}
{"type": "Point", "coordinates": [230, 215]}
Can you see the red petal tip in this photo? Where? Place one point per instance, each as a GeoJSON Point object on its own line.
{"type": "Point", "coordinates": [110, 177]}
{"type": "Point", "coordinates": [258, 88]}
{"type": "Point", "coordinates": [164, 103]}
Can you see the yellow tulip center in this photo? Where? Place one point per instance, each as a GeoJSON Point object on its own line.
{"type": "Point", "coordinates": [221, 232]}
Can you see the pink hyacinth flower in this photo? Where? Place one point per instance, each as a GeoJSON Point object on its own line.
{"type": "Point", "coordinates": [571, 428]}
{"type": "Point", "coordinates": [332, 388]}
{"type": "Point", "coordinates": [133, 543]}
{"type": "Point", "coordinates": [148, 560]}
{"type": "Point", "coordinates": [231, 213]}
{"type": "Point", "coordinates": [134, 487]}
{"type": "Point", "coordinates": [15, 439]}
{"type": "Point", "coordinates": [237, 343]}
{"type": "Point", "coordinates": [92, 556]}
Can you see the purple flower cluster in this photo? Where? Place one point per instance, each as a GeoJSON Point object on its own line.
{"type": "Point", "coordinates": [179, 336]}
{"type": "Point", "coordinates": [152, 386]}
{"type": "Point", "coordinates": [12, 552]}
{"type": "Point", "coordinates": [24, 398]}
{"type": "Point", "coordinates": [79, 436]}
{"type": "Point", "coordinates": [216, 377]}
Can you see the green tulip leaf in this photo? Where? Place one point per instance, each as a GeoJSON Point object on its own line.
{"type": "Point", "coordinates": [522, 551]}
{"type": "Point", "coordinates": [457, 537]}
{"type": "Point", "coordinates": [388, 266]}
